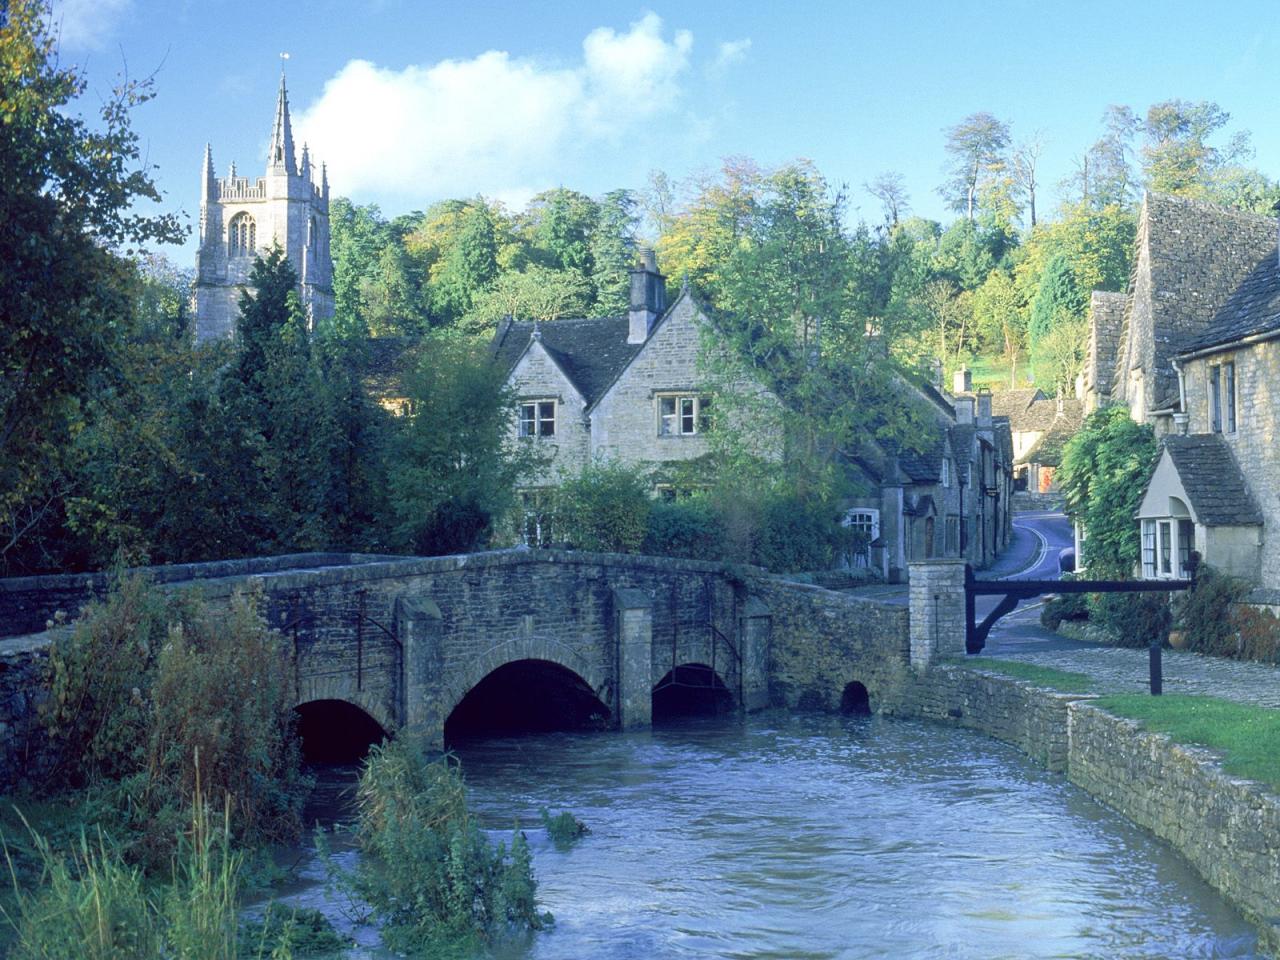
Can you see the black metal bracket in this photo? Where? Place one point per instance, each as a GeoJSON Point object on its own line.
{"type": "Point", "coordinates": [1013, 592]}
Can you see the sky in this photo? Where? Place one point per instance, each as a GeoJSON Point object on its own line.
{"type": "Point", "coordinates": [409, 102]}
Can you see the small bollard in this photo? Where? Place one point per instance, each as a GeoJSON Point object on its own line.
{"type": "Point", "coordinates": [1157, 671]}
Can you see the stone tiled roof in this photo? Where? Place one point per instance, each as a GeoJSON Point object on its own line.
{"type": "Point", "coordinates": [962, 446]}
{"type": "Point", "coordinates": [1013, 403]}
{"type": "Point", "coordinates": [1253, 308]}
{"type": "Point", "coordinates": [923, 467]}
{"type": "Point", "coordinates": [1199, 254]}
{"type": "Point", "coordinates": [1212, 479]}
{"type": "Point", "coordinates": [1048, 449]}
{"type": "Point", "coordinates": [591, 352]}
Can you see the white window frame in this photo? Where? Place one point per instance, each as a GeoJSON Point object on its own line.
{"type": "Point", "coordinates": [534, 422]}
{"type": "Point", "coordinates": [946, 472]}
{"type": "Point", "coordinates": [868, 520]}
{"type": "Point", "coordinates": [682, 414]}
{"type": "Point", "coordinates": [1163, 548]}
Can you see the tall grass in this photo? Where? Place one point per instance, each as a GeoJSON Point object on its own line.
{"type": "Point", "coordinates": [437, 884]}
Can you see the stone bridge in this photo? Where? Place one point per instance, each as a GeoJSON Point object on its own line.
{"type": "Point", "coordinates": [406, 639]}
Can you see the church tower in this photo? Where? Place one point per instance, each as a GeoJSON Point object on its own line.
{"type": "Point", "coordinates": [241, 218]}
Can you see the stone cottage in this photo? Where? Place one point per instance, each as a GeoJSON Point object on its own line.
{"type": "Point", "coordinates": [1198, 357]}
{"type": "Point", "coordinates": [629, 389]}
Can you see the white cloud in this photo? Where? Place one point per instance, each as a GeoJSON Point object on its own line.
{"type": "Point", "coordinates": [495, 122]}
{"type": "Point", "coordinates": [87, 24]}
{"type": "Point", "coordinates": [731, 52]}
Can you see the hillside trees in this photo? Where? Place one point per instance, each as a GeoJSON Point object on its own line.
{"type": "Point", "coordinates": [977, 149]}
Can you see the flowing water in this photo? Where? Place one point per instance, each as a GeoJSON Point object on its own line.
{"type": "Point", "coordinates": [818, 837]}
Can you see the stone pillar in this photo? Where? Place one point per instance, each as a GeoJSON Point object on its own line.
{"type": "Point", "coordinates": [937, 610]}
{"type": "Point", "coordinates": [755, 625]}
{"type": "Point", "coordinates": [633, 629]}
{"type": "Point", "coordinates": [419, 627]}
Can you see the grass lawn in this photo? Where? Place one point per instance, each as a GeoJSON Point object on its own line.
{"type": "Point", "coordinates": [994, 372]}
{"type": "Point", "coordinates": [1247, 736]}
{"type": "Point", "coordinates": [1063, 681]}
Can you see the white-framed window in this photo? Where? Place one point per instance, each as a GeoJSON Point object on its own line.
{"type": "Point", "coordinates": [536, 526]}
{"type": "Point", "coordinates": [1222, 397]}
{"type": "Point", "coordinates": [538, 418]}
{"type": "Point", "coordinates": [946, 472]}
{"type": "Point", "coordinates": [1166, 548]}
{"type": "Point", "coordinates": [866, 521]}
{"type": "Point", "coordinates": [683, 415]}
{"type": "Point", "coordinates": [242, 236]}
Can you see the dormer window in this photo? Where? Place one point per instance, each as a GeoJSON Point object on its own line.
{"type": "Point", "coordinates": [242, 236]}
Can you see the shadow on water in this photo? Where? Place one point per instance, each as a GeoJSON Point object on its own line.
{"type": "Point", "coordinates": [526, 697]}
{"type": "Point", "coordinates": [336, 737]}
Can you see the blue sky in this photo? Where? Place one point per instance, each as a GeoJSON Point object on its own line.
{"type": "Point", "coordinates": [410, 103]}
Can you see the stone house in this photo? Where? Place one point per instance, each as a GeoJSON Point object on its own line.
{"type": "Point", "coordinates": [1039, 425]}
{"type": "Point", "coordinates": [1198, 357]}
{"type": "Point", "coordinates": [630, 389]}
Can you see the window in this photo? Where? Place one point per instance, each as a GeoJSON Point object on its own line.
{"type": "Point", "coordinates": [1186, 540]}
{"type": "Point", "coordinates": [1149, 549]}
{"type": "Point", "coordinates": [242, 236]}
{"type": "Point", "coordinates": [1215, 399]}
{"type": "Point", "coordinates": [946, 472]}
{"type": "Point", "coordinates": [683, 416]}
{"type": "Point", "coordinates": [1165, 535]}
{"type": "Point", "coordinates": [866, 524]}
{"type": "Point", "coordinates": [1229, 393]}
{"type": "Point", "coordinates": [537, 525]}
{"type": "Point", "coordinates": [538, 418]}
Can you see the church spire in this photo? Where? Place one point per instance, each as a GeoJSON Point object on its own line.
{"type": "Point", "coordinates": [209, 179]}
{"type": "Point", "coordinates": [280, 155]}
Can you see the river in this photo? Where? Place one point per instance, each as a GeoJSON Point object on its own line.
{"type": "Point", "coordinates": [807, 837]}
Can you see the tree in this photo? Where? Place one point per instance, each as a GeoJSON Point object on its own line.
{"type": "Point", "coordinates": [468, 265]}
{"type": "Point", "coordinates": [1026, 166]}
{"type": "Point", "coordinates": [1176, 154]}
{"type": "Point", "coordinates": [70, 199]}
{"type": "Point", "coordinates": [454, 464]}
{"type": "Point", "coordinates": [1055, 331]}
{"type": "Point", "coordinates": [890, 189]}
{"type": "Point", "coordinates": [976, 148]}
{"type": "Point", "coordinates": [535, 293]}
{"type": "Point", "coordinates": [1104, 174]}
{"type": "Point", "coordinates": [1104, 472]}
{"type": "Point", "coordinates": [1000, 317]}
{"type": "Point", "coordinates": [613, 252]}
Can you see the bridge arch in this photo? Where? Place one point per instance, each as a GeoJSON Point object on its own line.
{"type": "Point", "coordinates": [532, 649]}
{"type": "Point", "coordinates": [336, 731]}
{"type": "Point", "coordinates": [345, 687]}
{"type": "Point", "coordinates": [691, 689]}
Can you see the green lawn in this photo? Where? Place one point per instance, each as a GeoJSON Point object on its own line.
{"type": "Point", "coordinates": [1248, 737]}
{"type": "Point", "coordinates": [1063, 681]}
{"type": "Point", "coordinates": [994, 372]}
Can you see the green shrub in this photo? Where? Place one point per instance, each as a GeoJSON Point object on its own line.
{"type": "Point", "coordinates": [1064, 606]}
{"type": "Point", "coordinates": [1258, 633]}
{"type": "Point", "coordinates": [691, 528]}
{"type": "Point", "coordinates": [604, 508]}
{"type": "Point", "coordinates": [794, 533]}
{"type": "Point", "coordinates": [563, 828]}
{"type": "Point", "coordinates": [1203, 613]}
{"type": "Point", "coordinates": [300, 932]}
{"type": "Point", "coordinates": [434, 881]}
{"type": "Point", "coordinates": [1134, 619]}
{"type": "Point", "coordinates": [153, 693]}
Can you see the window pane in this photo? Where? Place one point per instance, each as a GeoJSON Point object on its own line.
{"type": "Point", "coordinates": [1165, 547]}
{"type": "Point", "coordinates": [547, 419]}
{"type": "Point", "coordinates": [1148, 548]}
{"type": "Point", "coordinates": [1229, 394]}
{"type": "Point", "coordinates": [667, 410]}
{"type": "Point", "coordinates": [704, 414]}
{"type": "Point", "coordinates": [1215, 399]}
{"type": "Point", "coordinates": [1186, 538]}
{"type": "Point", "coordinates": [686, 415]}
{"type": "Point", "coordinates": [526, 419]}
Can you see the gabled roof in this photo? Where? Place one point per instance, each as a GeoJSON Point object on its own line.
{"type": "Point", "coordinates": [1253, 308]}
{"type": "Point", "coordinates": [1014, 403]}
{"type": "Point", "coordinates": [1048, 449]}
{"type": "Point", "coordinates": [1213, 482]}
{"type": "Point", "coordinates": [591, 352]}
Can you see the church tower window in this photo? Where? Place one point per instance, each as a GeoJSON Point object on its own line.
{"type": "Point", "coordinates": [242, 236]}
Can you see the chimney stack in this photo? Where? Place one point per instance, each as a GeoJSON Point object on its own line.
{"type": "Point", "coordinates": [962, 381]}
{"type": "Point", "coordinates": [648, 297]}
{"type": "Point", "coordinates": [964, 409]}
{"type": "Point", "coordinates": [984, 408]}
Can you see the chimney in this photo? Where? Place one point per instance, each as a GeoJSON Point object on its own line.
{"type": "Point", "coordinates": [648, 297]}
{"type": "Point", "coordinates": [984, 408]}
{"type": "Point", "coordinates": [962, 381]}
{"type": "Point", "coordinates": [964, 409]}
